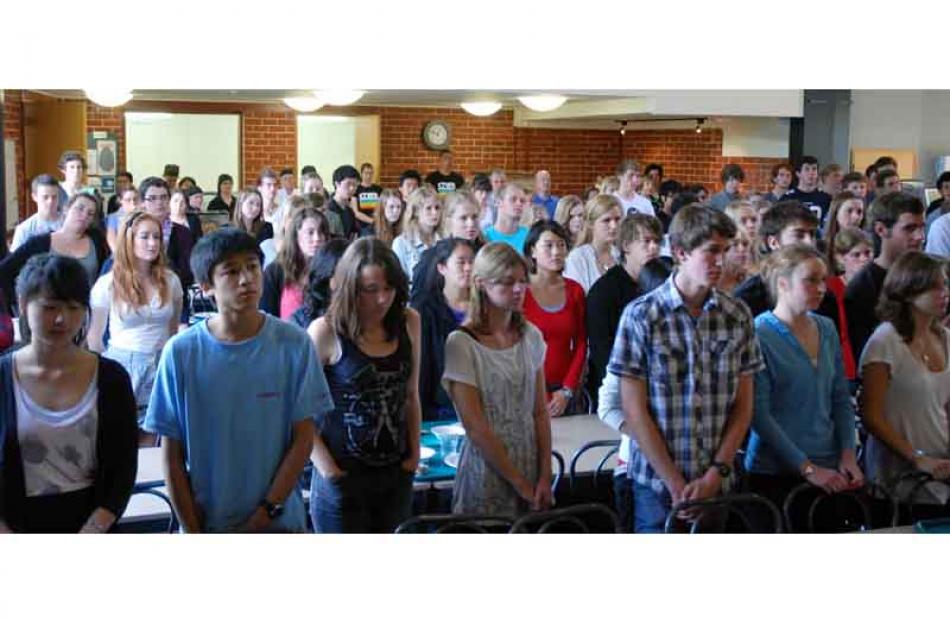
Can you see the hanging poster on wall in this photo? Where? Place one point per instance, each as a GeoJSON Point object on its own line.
{"type": "Point", "coordinates": [102, 160]}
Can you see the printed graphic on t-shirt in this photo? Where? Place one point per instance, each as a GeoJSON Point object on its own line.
{"type": "Point", "coordinates": [374, 415]}
{"type": "Point", "coordinates": [368, 201]}
{"type": "Point", "coordinates": [445, 187]}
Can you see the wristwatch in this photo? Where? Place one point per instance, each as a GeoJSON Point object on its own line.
{"type": "Point", "coordinates": [808, 470]}
{"type": "Point", "coordinates": [724, 469]}
{"type": "Point", "coordinates": [567, 392]}
{"type": "Point", "coordinates": [273, 510]}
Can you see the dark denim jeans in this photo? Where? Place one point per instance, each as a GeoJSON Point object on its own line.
{"type": "Point", "coordinates": [374, 500]}
{"type": "Point", "coordinates": [623, 501]}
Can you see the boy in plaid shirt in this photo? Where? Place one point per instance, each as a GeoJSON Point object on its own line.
{"type": "Point", "coordinates": [686, 355]}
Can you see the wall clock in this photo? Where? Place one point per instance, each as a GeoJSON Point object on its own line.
{"type": "Point", "coordinates": [437, 135]}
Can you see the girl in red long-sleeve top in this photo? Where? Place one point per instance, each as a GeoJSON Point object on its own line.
{"type": "Point", "coordinates": [556, 306]}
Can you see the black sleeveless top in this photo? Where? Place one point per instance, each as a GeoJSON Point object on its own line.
{"type": "Point", "coordinates": [367, 427]}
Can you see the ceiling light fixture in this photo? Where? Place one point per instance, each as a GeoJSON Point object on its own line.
{"type": "Point", "coordinates": [699, 125]}
{"type": "Point", "coordinates": [623, 128]}
{"type": "Point", "coordinates": [338, 97]}
{"type": "Point", "coordinates": [481, 108]}
{"type": "Point", "coordinates": [108, 98]}
{"type": "Point", "coordinates": [304, 104]}
{"type": "Point", "coordinates": [542, 103]}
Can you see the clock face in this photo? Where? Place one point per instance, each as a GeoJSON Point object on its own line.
{"type": "Point", "coordinates": [436, 134]}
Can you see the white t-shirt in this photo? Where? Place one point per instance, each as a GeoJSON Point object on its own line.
{"type": "Point", "coordinates": [144, 329]}
{"type": "Point", "coordinates": [581, 265]}
{"type": "Point", "coordinates": [58, 448]}
{"type": "Point", "coordinates": [638, 203]}
{"type": "Point", "coordinates": [31, 227]}
{"type": "Point", "coordinates": [917, 404]}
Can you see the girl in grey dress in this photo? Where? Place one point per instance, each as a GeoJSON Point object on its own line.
{"type": "Point", "coordinates": [494, 367]}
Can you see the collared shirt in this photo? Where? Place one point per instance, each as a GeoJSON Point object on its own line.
{"type": "Point", "coordinates": [691, 367]}
{"type": "Point", "coordinates": [549, 202]}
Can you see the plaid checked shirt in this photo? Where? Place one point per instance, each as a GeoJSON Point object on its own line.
{"type": "Point", "coordinates": [691, 367]}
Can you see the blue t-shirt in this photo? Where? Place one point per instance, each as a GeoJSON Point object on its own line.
{"type": "Point", "coordinates": [112, 221]}
{"type": "Point", "coordinates": [515, 240]}
{"type": "Point", "coordinates": [233, 406]}
{"type": "Point", "coordinates": [550, 203]}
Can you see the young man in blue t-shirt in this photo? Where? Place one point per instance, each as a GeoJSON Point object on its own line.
{"type": "Point", "coordinates": [234, 400]}
{"type": "Point", "coordinates": [508, 227]}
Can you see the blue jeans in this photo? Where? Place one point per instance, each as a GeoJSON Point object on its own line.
{"type": "Point", "coordinates": [374, 500]}
{"type": "Point", "coordinates": [649, 508]}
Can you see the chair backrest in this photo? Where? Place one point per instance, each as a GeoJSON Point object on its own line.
{"type": "Point", "coordinates": [849, 504]}
{"type": "Point", "coordinates": [438, 524]}
{"type": "Point", "coordinates": [172, 519]}
{"type": "Point", "coordinates": [724, 507]}
{"type": "Point", "coordinates": [557, 465]}
{"type": "Point", "coordinates": [613, 447]}
{"type": "Point", "coordinates": [583, 518]}
{"type": "Point", "coordinates": [908, 488]}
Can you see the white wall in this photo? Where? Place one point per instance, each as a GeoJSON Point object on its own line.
{"type": "Point", "coordinates": [203, 145]}
{"type": "Point", "coordinates": [916, 120]}
{"type": "Point", "coordinates": [754, 137]}
{"type": "Point", "coordinates": [327, 142]}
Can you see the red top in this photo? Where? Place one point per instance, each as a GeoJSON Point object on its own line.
{"type": "Point", "coordinates": [836, 286]}
{"type": "Point", "coordinates": [565, 335]}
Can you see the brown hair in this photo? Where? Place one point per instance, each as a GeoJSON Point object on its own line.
{"type": "Point", "coordinates": [237, 218]}
{"type": "Point", "coordinates": [289, 257]}
{"type": "Point", "coordinates": [127, 290]}
{"type": "Point", "coordinates": [631, 226]}
{"type": "Point", "coordinates": [387, 231]}
{"type": "Point", "coordinates": [836, 203]}
{"type": "Point", "coordinates": [912, 274]}
{"type": "Point", "coordinates": [694, 225]}
{"type": "Point", "coordinates": [343, 313]}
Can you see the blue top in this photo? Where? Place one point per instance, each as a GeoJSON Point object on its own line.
{"type": "Point", "coordinates": [237, 428]}
{"type": "Point", "coordinates": [515, 240]}
{"type": "Point", "coordinates": [550, 203]}
{"type": "Point", "coordinates": [801, 412]}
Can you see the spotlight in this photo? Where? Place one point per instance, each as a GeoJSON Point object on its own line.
{"type": "Point", "coordinates": [699, 125]}
{"type": "Point", "coordinates": [623, 128]}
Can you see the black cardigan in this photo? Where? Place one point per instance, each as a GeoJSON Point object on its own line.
{"type": "Point", "coordinates": [273, 287]}
{"type": "Point", "coordinates": [605, 303]}
{"type": "Point", "coordinates": [116, 443]}
{"type": "Point", "coordinates": [10, 267]}
{"type": "Point", "coordinates": [437, 322]}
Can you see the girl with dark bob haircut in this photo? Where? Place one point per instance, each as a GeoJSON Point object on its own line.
{"type": "Point", "coordinates": [67, 416]}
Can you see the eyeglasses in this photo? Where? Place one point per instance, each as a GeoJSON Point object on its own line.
{"type": "Point", "coordinates": [155, 198]}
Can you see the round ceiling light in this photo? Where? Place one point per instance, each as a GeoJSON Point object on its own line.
{"type": "Point", "coordinates": [303, 104]}
{"type": "Point", "coordinates": [542, 103]}
{"type": "Point", "coordinates": [338, 97]}
{"type": "Point", "coordinates": [108, 98]}
{"type": "Point", "coordinates": [481, 108]}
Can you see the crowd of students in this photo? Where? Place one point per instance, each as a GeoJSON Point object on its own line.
{"type": "Point", "coordinates": [695, 326]}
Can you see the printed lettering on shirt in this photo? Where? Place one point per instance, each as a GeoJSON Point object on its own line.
{"type": "Point", "coordinates": [369, 201]}
{"type": "Point", "coordinates": [445, 187]}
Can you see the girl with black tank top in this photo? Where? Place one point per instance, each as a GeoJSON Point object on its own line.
{"type": "Point", "coordinates": [366, 450]}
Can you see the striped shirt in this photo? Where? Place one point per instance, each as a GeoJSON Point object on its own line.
{"type": "Point", "coordinates": [691, 367]}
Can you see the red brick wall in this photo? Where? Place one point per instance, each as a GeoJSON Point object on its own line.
{"type": "Point", "coordinates": [575, 158]}
{"type": "Point", "coordinates": [108, 120]}
{"type": "Point", "coordinates": [13, 129]}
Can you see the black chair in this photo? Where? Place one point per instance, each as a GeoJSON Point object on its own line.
{"type": "Point", "coordinates": [585, 518]}
{"type": "Point", "coordinates": [852, 509]}
{"type": "Point", "coordinates": [726, 508]}
{"type": "Point", "coordinates": [613, 447]}
{"type": "Point", "coordinates": [438, 524]}
{"type": "Point", "coordinates": [558, 471]}
{"type": "Point", "coordinates": [906, 490]}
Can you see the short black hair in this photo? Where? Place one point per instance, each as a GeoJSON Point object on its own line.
{"type": "Point", "coordinates": [224, 178]}
{"type": "Point", "coordinates": [151, 182]}
{"type": "Point", "coordinates": [806, 159]}
{"type": "Point", "coordinates": [127, 175]}
{"type": "Point", "coordinates": [653, 166]}
{"type": "Point", "coordinates": [885, 160]}
{"type": "Point", "coordinates": [481, 182]}
{"type": "Point", "coordinates": [681, 200]}
{"type": "Point", "coordinates": [782, 214]}
{"type": "Point", "coordinates": [366, 165]}
{"type": "Point", "coordinates": [286, 171]}
{"type": "Point", "coordinates": [412, 173]}
{"type": "Point", "coordinates": [216, 247]}
{"type": "Point", "coordinates": [654, 273]}
{"type": "Point", "coordinates": [309, 168]}
{"type": "Point", "coordinates": [732, 171]}
{"type": "Point", "coordinates": [670, 187]}
{"type": "Point", "coordinates": [433, 281]}
{"type": "Point", "coordinates": [345, 172]}
{"type": "Point", "coordinates": [943, 178]}
{"type": "Point", "coordinates": [534, 234]}
{"type": "Point", "coordinates": [317, 295]}
{"type": "Point", "coordinates": [50, 180]}
{"type": "Point", "coordinates": [184, 179]}
{"type": "Point", "coordinates": [61, 278]}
